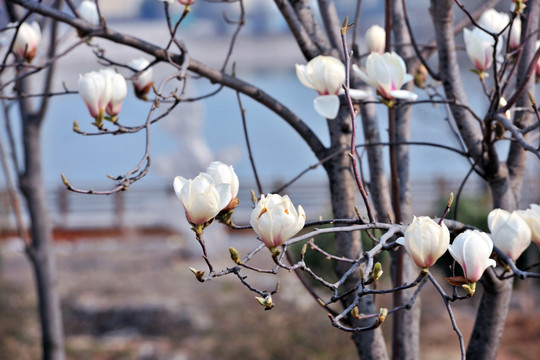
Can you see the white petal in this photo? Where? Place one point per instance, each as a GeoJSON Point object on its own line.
{"type": "Point", "coordinates": [358, 94]}
{"type": "Point", "coordinates": [327, 106]}
{"type": "Point", "coordinates": [404, 94]}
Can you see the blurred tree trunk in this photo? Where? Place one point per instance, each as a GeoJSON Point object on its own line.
{"type": "Point", "coordinates": [40, 248]}
{"type": "Point", "coordinates": [344, 194]}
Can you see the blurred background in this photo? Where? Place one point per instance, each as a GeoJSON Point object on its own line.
{"type": "Point", "coordinates": [123, 259]}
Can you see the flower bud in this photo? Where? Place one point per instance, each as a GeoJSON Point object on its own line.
{"type": "Point", "coordinates": [472, 249]}
{"type": "Point", "coordinates": [532, 217]}
{"type": "Point", "coordinates": [27, 40]}
{"type": "Point", "coordinates": [95, 92]}
{"type": "Point", "coordinates": [201, 197]}
{"type": "Point", "coordinates": [510, 233]}
{"type": "Point", "coordinates": [276, 220]}
{"type": "Point", "coordinates": [118, 90]}
{"type": "Point", "coordinates": [515, 34]}
{"type": "Point", "coordinates": [479, 46]}
{"type": "Point", "coordinates": [266, 302]}
{"type": "Point", "coordinates": [376, 39]}
{"type": "Point", "coordinates": [425, 240]}
{"type": "Point", "coordinates": [88, 11]}
{"type": "Point", "coordinates": [142, 81]}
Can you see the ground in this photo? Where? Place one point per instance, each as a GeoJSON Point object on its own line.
{"type": "Point", "coordinates": [134, 298]}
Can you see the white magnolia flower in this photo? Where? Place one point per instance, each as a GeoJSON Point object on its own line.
{"type": "Point", "coordinates": [387, 73]}
{"type": "Point", "coordinates": [326, 75]}
{"type": "Point", "coordinates": [376, 39]}
{"type": "Point", "coordinates": [95, 92]}
{"type": "Point", "coordinates": [532, 217]}
{"type": "Point", "coordinates": [201, 197]}
{"type": "Point", "coordinates": [479, 46]}
{"type": "Point", "coordinates": [27, 40]}
{"type": "Point", "coordinates": [89, 12]}
{"type": "Point", "coordinates": [510, 233]}
{"type": "Point", "coordinates": [493, 20]}
{"type": "Point", "coordinates": [118, 90]}
{"type": "Point", "coordinates": [143, 81]}
{"type": "Point", "coordinates": [515, 34]}
{"type": "Point", "coordinates": [276, 220]}
{"type": "Point", "coordinates": [472, 249]}
{"type": "Point", "coordinates": [425, 240]}
{"type": "Point", "coordinates": [224, 174]}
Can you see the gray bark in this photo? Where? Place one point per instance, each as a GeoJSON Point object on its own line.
{"type": "Point", "coordinates": [505, 183]}
{"type": "Point", "coordinates": [344, 193]}
{"type": "Point", "coordinates": [406, 329]}
{"type": "Point", "coordinates": [41, 251]}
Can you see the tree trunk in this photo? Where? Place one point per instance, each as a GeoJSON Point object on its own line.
{"type": "Point", "coordinates": [41, 251]}
{"type": "Point", "coordinates": [344, 193]}
{"type": "Point", "coordinates": [505, 181]}
{"type": "Point", "coordinates": [406, 329]}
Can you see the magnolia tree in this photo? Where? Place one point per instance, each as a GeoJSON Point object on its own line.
{"type": "Point", "coordinates": [351, 88]}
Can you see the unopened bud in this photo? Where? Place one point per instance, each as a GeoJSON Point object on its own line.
{"type": "Point", "coordinates": [254, 198]}
{"type": "Point", "coordinates": [199, 274]}
{"type": "Point", "coordinates": [382, 315]}
{"type": "Point", "coordinates": [377, 271]}
{"type": "Point", "coordinates": [235, 256]}
{"type": "Point", "coordinates": [304, 249]}
{"type": "Point", "coordinates": [266, 302]}
{"type": "Point", "coordinates": [355, 313]}
{"type": "Point", "coordinates": [420, 77]}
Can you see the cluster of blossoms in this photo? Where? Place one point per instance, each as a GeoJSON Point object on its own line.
{"type": "Point", "coordinates": [386, 72]}
{"type": "Point", "coordinates": [426, 241]}
{"type": "Point", "coordinates": [208, 194]}
{"type": "Point", "coordinates": [480, 45]}
{"type": "Point", "coordinates": [104, 91]}
{"type": "Point", "coordinates": [214, 192]}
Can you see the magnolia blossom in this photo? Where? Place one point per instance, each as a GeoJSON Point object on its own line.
{"type": "Point", "coordinates": [276, 220]}
{"type": "Point", "coordinates": [510, 233]}
{"type": "Point", "coordinates": [95, 92]}
{"type": "Point", "coordinates": [143, 80]}
{"type": "Point", "coordinates": [493, 20]}
{"type": "Point", "coordinates": [479, 46]}
{"type": "Point", "coordinates": [27, 40]}
{"type": "Point", "coordinates": [376, 39]}
{"type": "Point", "coordinates": [224, 174]}
{"type": "Point", "coordinates": [89, 12]}
{"type": "Point", "coordinates": [118, 88]}
{"type": "Point", "coordinates": [532, 217]}
{"type": "Point", "coordinates": [201, 197]}
{"type": "Point", "coordinates": [387, 73]}
{"type": "Point", "coordinates": [425, 241]}
{"type": "Point", "coordinates": [515, 34]}
{"type": "Point", "coordinates": [326, 75]}
{"type": "Point", "coordinates": [471, 249]}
